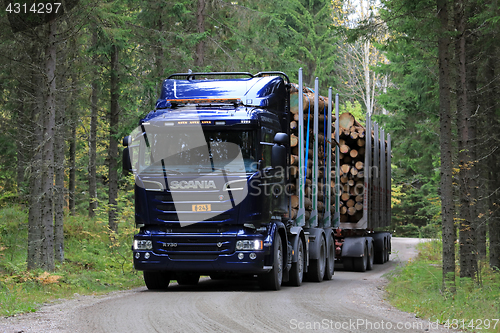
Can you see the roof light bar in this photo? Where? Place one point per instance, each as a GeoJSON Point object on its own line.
{"type": "Point", "coordinates": [206, 101]}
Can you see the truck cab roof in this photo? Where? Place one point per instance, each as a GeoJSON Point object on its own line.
{"type": "Point", "coordinates": [261, 91]}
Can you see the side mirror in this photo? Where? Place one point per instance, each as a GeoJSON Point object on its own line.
{"type": "Point", "coordinates": [278, 156]}
{"type": "Point", "coordinates": [127, 165]}
{"type": "Point", "coordinates": [281, 138]}
{"type": "Point", "coordinates": [126, 141]}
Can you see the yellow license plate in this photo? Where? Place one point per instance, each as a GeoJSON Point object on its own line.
{"type": "Point", "coordinates": [202, 208]}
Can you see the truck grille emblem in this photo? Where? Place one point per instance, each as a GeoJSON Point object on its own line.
{"type": "Point", "coordinates": [219, 244]}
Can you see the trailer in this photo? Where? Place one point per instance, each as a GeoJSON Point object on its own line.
{"type": "Point", "coordinates": [220, 191]}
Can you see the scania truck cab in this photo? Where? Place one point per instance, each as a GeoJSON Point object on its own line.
{"type": "Point", "coordinates": [210, 165]}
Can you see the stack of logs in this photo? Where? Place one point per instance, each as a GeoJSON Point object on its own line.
{"type": "Point", "coordinates": [352, 156]}
{"type": "Point", "coordinates": [352, 172]}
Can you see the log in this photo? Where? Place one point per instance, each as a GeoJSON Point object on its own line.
{"type": "Point", "coordinates": [293, 125]}
{"type": "Point", "coordinates": [350, 203]}
{"type": "Point", "coordinates": [358, 206]}
{"type": "Point", "coordinates": [344, 149]}
{"type": "Point", "coordinates": [361, 142]}
{"type": "Point", "coordinates": [294, 159]}
{"type": "Point", "coordinates": [294, 214]}
{"type": "Point", "coordinates": [307, 203]}
{"type": "Point", "coordinates": [345, 196]}
{"type": "Point", "coordinates": [359, 198]}
{"type": "Point", "coordinates": [354, 171]}
{"type": "Point", "coordinates": [351, 211]}
{"type": "Point", "coordinates": [345, 168]}
{"type": "Point", "coordinates": [294, 102]}
{"type": "Point", "coordinates": [293, 140]}
{"type": "Point", "coordinates": [343, 210]}
{"type": "Point", "coordinates": [359, 165]}
{"type": "Point", "coordinates": [308, 191]}
{"type": "Point", "coordinates": [353, 153]}
{"type": "Point", "coordinates": [294, 201]}
{"type": "Point", "coordinates": [344, 179]}
{"type": "Point", "coordinates": [354, 135]}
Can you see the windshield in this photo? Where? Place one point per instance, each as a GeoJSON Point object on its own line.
{"type": "Point", "coordinates": [186, 150]}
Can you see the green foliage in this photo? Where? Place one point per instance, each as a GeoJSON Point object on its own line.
{"type": "Point", "coordinates": [413, 120]}
{"type": "Point", "coordinates": [408, 230]}
{"type": "Point", "coordinates": [96, 261]}
{"type": "Point", "coordinates": [417, 287]}
{"type": "Point", "coordinates": [355, 109]}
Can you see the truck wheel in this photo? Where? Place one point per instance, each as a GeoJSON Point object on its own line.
{"type": "Point", "coordinates": [156, 280]}
{"type": "Point", "coordinates": [371, 254]}
{"type": "Point", "coordinates": [330, 260]}
{"type": "Point", "coordinates": [297, 270]}
{"type": "Point", "coordinates": [188, 279]}
{"type": "Point", "coordinates": [380, 254]}
{"type": "Point", "coordinates": [273, 279]}
{"type": "Point", "coordinates": [316, 270]}
{"type": "Point", "coordinates": [388, 249]}
{"type": "Point", "coordinates": [361, 263]}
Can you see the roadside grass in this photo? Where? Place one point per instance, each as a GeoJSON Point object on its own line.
{"type": "Point", "coordinates": [96, 262]}
{"type": "Point", "coordinates": [417, 287]}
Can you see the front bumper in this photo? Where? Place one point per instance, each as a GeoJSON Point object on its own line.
{"type": "Point", "coordinates": [203, 263]}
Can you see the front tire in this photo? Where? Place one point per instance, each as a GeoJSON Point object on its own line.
{"type": "Point", "coordinates": [330, 260]}
{"type": "Point", "coordinates": [156, 280]}
{"type": "Point", "coordinates": [272, 280]}
{"type": "Point", "coordinates": [297, 271]}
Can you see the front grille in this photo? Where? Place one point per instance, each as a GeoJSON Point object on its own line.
{"type": "Point", "coordinates": [194, 244]}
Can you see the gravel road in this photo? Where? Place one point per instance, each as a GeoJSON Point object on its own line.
{"type": "Point", "coordinates": [351, 302]}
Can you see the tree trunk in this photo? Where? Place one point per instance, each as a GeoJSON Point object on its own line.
{"type": "Point", "coordinates": [93, 135]}
{"type": "Point", "coordinates": [200, 28]}
{"type": "Point", "coordinates": [113, 143]}
{"type": "Point", "coordinates": [47, 201]}
{"type": "Point", "coordinates": [59, 161]}
{"type": "Point", "coordinates": [35, 179]}
{"type": "Point", "coordinates": [73, 124]}
{"type": "Point", "coordinates": [467, 232]}
{"type": "Point", "coordinates": [447, 205]}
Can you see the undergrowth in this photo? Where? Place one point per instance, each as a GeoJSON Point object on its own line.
{"type": "Point", "coordinates": [96, 261]}
{"type": "Point", "coordinates": [417, 287]}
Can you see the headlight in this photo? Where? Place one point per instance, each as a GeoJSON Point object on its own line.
{"type": "Point", "coordinates": [249, 244]}
{"type": "Point", "coordinates": [142, 244]}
